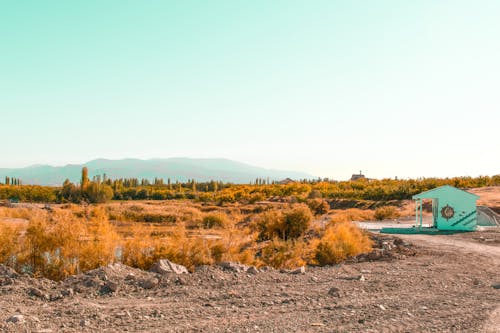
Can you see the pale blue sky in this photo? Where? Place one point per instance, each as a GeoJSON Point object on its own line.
{"type": "Point", "coordinates": [395, 88]}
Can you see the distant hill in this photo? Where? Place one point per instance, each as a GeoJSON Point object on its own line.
{"type": "Point", "coordinates": [180, 169]}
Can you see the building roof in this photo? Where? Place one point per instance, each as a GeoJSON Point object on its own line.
{"type": "Point", "coordinates": [438, 191]}
{"type": "Point", "coordinates": [286, 181]}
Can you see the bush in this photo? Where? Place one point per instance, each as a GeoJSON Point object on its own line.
{"type": "Point", "coordinates": [387, 212]}
{"type": "Point", "coordinates": [351, 214]}
{"type": "Point", "coordinates": [296, 222]}
{"type": "Point", "coordinates": [9, 236]}
{"type": "Point", "coordinates": [341, 241]}
{"type": "Point", "coordinates": [285, 254]}
{"type": "Point", "coordinates": [318, 206]}
{"type": "Point", "coordinates": [315, 194]}
{"type": "Point", "coordinates": [214, 221]}
{"type": "Point", "coordinates": [269, 225]}
{"type": "Point", "coordinates": [291, 224]}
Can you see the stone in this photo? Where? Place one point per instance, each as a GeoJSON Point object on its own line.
{"type": "Point", "coordinates": [334, 291]}
{"type": "Point", "coordinates": [253, 270]}
{"type": "Point", "coordinates": [150, 283]}
{"type": "Point", "coordinates": [36, 292]}
{"type": "Point", "coordinates": [165, 266]}
{"type": "Point", "coordinates": [16, 319]}
{"type": "Point", "coordinates": [300, 270]}
{"type": "Point", "coordinates": [112, 286]}
{"type": "Point", "coordinates": [84, 323]}
{"type": "Point", "coordinates": [55, 296]}
{"type": "Point", "coordinates": [68, 292]}
{"type": "Point", "coordinates": [382, 307]}
{"type": "Point", "coordinates": [496, 286]}
{"type": "Point", "coordinates": [8, 272]}
{"type": "Point", "coordinates": [234, 266]}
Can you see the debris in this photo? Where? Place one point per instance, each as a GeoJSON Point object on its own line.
{"type": "Point", "coordinates": [300, 270]}
{"type": "Point", "coordinates": [234, 266]}
{"type": "Point", "coordinates": [112, 286]}
{"type": "Point", "coordinates": [334, 291]}
{"type": "Point", "coordinates": [253, 270]}
{"type": "Point", "coordinates": [150, 283]}
{"type": "Point", "coordinates": [16, 319]}
{"type": "Point", "coordinates": [165, 266]}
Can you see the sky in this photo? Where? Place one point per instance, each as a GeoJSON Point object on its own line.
{"type": "Point", "coordinates": [392, 88]}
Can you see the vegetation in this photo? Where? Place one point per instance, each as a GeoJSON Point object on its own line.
{"type": "Point", "coordinates": [194, 223]}
{"type": "Point", "coordinates": [340, 241]}
{"type": "Point", "coordinates": [101, 189]}
{"type": "Point", "coordinates": [387, 212]}
{"type": "Point", "coordinates": [69, 239]}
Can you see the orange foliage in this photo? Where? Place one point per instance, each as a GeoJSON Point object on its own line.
{"type": "Point", "coordinates": [340, 241]}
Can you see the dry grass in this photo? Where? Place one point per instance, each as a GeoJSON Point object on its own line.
{"type": "Point", "coordinates": [69, 239]}
{"type": "Point", "coordinates": [351, 214]}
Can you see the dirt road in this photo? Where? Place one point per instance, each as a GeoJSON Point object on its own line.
{"type": "Point", "coordinates": [465, 247]}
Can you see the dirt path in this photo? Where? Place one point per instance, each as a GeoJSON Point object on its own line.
{"type": "Point", "coordinates": [467, 247]}
{"type": "Point", "coordinates": [439, 242]}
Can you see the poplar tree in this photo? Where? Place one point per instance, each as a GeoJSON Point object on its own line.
{"type": "Point", "coordinates": [85, 178]}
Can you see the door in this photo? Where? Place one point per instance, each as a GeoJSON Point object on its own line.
{"type": "Point", "coordinates": [435, 212]}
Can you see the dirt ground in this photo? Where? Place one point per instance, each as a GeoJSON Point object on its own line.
{"type": "Point", "coordinates": [415, 284]}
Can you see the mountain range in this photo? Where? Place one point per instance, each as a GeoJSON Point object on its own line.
{"type": "Point", "coordinates": [181, 169]}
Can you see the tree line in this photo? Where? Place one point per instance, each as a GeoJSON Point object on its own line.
{"type": "Point", "coordinates": [101, 189]}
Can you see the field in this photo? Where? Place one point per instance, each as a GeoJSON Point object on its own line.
{"type": "Point", "coordinates": [75, 268]}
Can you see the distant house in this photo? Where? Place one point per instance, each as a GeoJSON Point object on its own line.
{"type": "Point", "coordinates": [357, 176]}
{"type": "Point", "coordinates": [286, 181]}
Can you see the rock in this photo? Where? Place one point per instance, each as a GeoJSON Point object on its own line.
{"type": "Point", "coordinates": [68, 292]}
{"type": "Point", "coordinates": [84, 323]}
{"type": "Point", "coordinates": [37, 292]}
{"type": "Point", "coordinates": [300, 270]}
{"type": "Point", "coordinates": [16, 319]}
{"type": "Point", "coordinates": [150, 283]}
{"type": "Point", "coordinates": [361, 278]}
{"type": "Point", "coordinates": [7, 271]}
{"type": "Point", "coordinates": [253, 270]}
{"type": "Point", "coordinates": [334, 291]}
{"type": "Point", "coordinates": [165, 266]}
{"type": "Point", "coordinates": [112, 286]}
{"type": "Point", "coordinates": [496, 286]}
{"type": "Point", "coordinates": [234, 266]}
{"type": "Point", "coordinates": [55, 297]}
{"type": "Point", "coordinates": [382, 307]}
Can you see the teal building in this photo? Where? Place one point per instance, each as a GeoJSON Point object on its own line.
{"type": "Point", "coordinates": [452, 208]}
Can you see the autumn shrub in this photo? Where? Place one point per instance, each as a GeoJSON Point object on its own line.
{"type": "Point", "coordinates": [269, 224]}
{"type": "Point", "coordinates": [318, 206]}
{"type": "Point", "coordinates": [296, 222]}
{"type": "Point", "coordinates": [340, 241]}
{"type": "Point", "coordinates": [351, 214]}
{"type": "Point", "coordinates": [280, 253]}
{"type": "Point", "coordinates": [214, 221]}
{"type": "Point", "coordinates": [290, 224]}
{"type": "Point", "coordinates": [387, 212]}
{"type": "Point", "coordinates": [315, 194]}
{"type": "Point", "coordinates": [9, 242]}
{"type": "Point", "coordinates": [101, 241]}
{"type": "Point", "coordinates": [59, 244]}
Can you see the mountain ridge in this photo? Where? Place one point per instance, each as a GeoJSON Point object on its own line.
{"type": "Point", "coordinates": [175, 168]}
